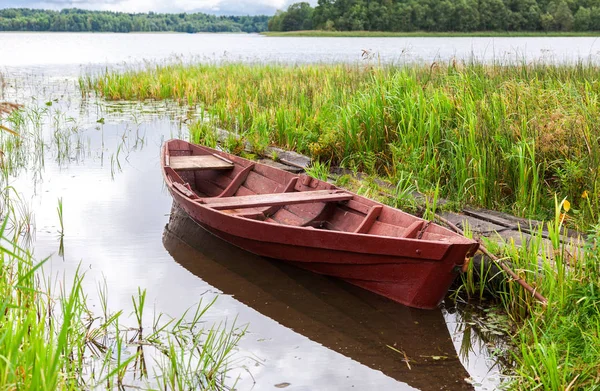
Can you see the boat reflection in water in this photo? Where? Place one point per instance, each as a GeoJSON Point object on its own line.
{"type": "Point", "coordinates": [409, 345]}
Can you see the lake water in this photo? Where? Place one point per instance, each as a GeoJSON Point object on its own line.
{"type": "Point", "coordinates": [71, 50]}
{"type": "Point", "coordinates": [101, 159]}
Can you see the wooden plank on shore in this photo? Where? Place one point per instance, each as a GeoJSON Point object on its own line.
{"type": "Point", "coordinates": [289, 158]}
{"type": "Point", "coordinates": [252, 201]}
{"type": "Point", "coordinates": [516, 223]}
{"type": "Point", "coordinates": [281, 166]}
{"type": "Point", "coordinates": [199, 162]}
{"type": "Point", "coordinates": [479, 227]}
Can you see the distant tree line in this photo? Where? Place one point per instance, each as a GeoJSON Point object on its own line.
{"type": "Point", "coordinates": [23, 19]}
{"type": "Point", "coordinates": [441, 15]}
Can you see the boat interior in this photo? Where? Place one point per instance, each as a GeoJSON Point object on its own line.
{"type": "Point", "coordinates": [255, 191]}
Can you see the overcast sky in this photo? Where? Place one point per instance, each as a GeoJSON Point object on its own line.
{"type": "Point", "coordinates": [220, 7]}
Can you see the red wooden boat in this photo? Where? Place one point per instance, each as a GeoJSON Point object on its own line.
{"type": "Point", "coordinates": [315, 225]}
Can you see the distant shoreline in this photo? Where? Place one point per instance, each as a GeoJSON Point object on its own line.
{"type": "Point", "coordinates": [384, 34]}
{"type": "Point", "coordinates": [118, 32]}
{"type": "Point", "coordinates": [345, 34]}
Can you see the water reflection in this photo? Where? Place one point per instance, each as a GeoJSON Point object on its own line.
{"type": "Point", "coordinates": [409, 345]}
{"type": "Point", "coordinates": [70, 52]}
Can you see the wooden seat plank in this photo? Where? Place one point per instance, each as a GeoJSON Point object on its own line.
{"type": "Point", "coordinates": [199, 162]}
{"type": "Point", "coordinates": [288, 189]}
{"type": "Point", "coordinates": [270, 210]}
{"type": "Point", "coordinates": [252, 201]}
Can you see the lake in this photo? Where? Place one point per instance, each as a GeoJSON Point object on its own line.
{"type": "Point", "coordinates": [101, 159]}
{"type": "Point", "coordinates": [53, 51]}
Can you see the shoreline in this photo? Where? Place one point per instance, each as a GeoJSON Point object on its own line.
{"type": "Point", "coordinates": [425, 34]}
{"type": "Point", "coordinates": [130, 32]}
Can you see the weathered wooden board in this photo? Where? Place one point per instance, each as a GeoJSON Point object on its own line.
{"type": "Point", "coordinates": [502, 235]}
{"type": "Point", "coordinates": [289, 158]}
{"type": "Point", "coordinates": [252, 201]}
{"type": "Point", "coordinates": [479, 227]}
{"type": "Point", "coordinates": [516, 223]}
{"type": "Point", "coordinates": [204, 162]}
{"type": "Point", "coordinates": [281, 166]}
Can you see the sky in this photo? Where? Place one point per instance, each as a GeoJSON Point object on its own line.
{"type": "Point", "coordinates": [218, 7]}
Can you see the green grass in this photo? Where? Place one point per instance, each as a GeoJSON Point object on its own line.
{"type": "Point", "coordinates": [53, 341]}
{"type": "Point", "coordinates": [59, 210]}
{"type": "Point", "coordinates": [504, 137]}
{"type": "Point", "coordinates": [367, 34]}
{"type": "Point", "coordinates": [50, 337]}
{"type": "Point", "coordinates": [558, 345]}
{"type": "Point", "coordinates": [511, 137]}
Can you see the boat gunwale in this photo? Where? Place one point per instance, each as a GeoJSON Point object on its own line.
{"type": "Point", "coordinates": [454, 239]}
{"type": "Point", "coordinates": [312, 229]}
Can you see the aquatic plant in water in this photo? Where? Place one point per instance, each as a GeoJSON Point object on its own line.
{"type": "Point", "coordinates": [53, 341]}
{"type": "Point", "coordinates": [50, 338]}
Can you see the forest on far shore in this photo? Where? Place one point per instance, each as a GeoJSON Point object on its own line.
{"type": "Point", "coordinates": [24, 19]}
{"type": "Point", "coordinates": [332, 15]}
{"type": "Point", "coordinates": [440, 15]}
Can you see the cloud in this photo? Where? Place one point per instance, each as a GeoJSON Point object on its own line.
{"type": "Point", "coordinates": [219, 7]}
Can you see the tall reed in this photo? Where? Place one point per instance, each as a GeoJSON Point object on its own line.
{"type": "Point", "coordinates": [497, 136]}
{"type": "Point", "coordinates": [558, 344]}
{"type": "Point", "coordinates": [53, 341]}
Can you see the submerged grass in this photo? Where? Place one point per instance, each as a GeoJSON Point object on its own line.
{"type": "Point", "coordinates": [54, 341]}
{"type": "Point", "coordinates": [50, 338]}
{"type": "Point", "coordinates": [502, 137]}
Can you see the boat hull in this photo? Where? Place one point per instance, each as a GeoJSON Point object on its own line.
{"type": "Point", "coordinates": [413, 281]}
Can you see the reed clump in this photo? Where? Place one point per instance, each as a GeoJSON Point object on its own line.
{"type": "Point", "coordinates": [498, 136]}
{"type": "Point", "coordinates": [51, 340]}
{"type": "Point", "coordinates": [557, 344]}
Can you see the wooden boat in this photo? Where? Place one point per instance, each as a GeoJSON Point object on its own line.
{"type": "Point", "coordinates": [315, 225]}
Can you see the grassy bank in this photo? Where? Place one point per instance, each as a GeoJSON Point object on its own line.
{"type": "Point", "coordinates": [556, 346]}
{"type": "Point", "coordinates": [375, 34]}
{"type": "Point", "coordinates": [519, 138]}
{"type": "Point", "coordinates": [502, 137]}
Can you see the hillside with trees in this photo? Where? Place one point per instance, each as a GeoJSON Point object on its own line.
{"type": "Point", "coordinates": [23, 19]}
{"type": "Point", "coordinates": [440, 15]}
